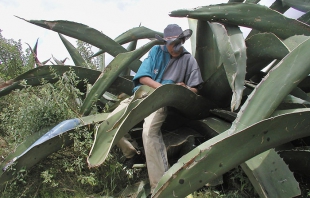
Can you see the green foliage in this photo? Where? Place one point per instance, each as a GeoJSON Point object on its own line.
{"type": "Point", "coordinates": [85, 49]}
{"type": "Point", "coordinates": [48, 177]}
{"type": "Point", "coordinates": [240, 180]}
{"type": "Point", "coordinates": [51, 178]}
{"type": "Point", "coordinates": [27, 111]}
{"type": "Point", "coordinates": [235, 185]}
{"type": "Point", "coordinates": [65, 173]}
{"type": "Point", "coordinates": [13, 60]}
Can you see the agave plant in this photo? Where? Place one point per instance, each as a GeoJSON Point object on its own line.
{"type": "Point", "coordinates": [253, 104]}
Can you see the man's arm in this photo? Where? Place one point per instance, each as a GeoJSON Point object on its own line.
{"type": "Point", "coordinates": [145, 80]}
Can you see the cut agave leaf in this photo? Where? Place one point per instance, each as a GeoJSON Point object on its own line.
{"type": "Point", "coordinates": [136, 34]}
{"type": "Point", "coordinates": [249, 15]}
{"type": "Point", "coordinates": [300, 5]}
{"type": "Point", "coordinates": [207, 54]}
{"type": "Point", "coordinates": [232, 49]}
{"type": "Point", "coordinates": [75, 55]}
{"type": "Point", "coordinates": [224, 152]}
{"type": "Point", "coordinates": [40, 145]}
{"type": "Point", "coordinates": [86, 34]}
{"type": "Point", "coordinates": [270, 176]}
{"type": "Point", "coordinates": [132, 35]}
{"type": "Point", "coordinates": [273, 48]}
{"type": "Point", "coordinates": [188, 103]}
{"type": "Point", "coordinates": [292, 102]}
{"type": "Point", "coordinates": [272, 88]}
{"type": "Point", "coordinates": [48, 74]}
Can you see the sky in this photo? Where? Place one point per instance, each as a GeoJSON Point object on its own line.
{"type": "Point", "coordinates": [112, 17]}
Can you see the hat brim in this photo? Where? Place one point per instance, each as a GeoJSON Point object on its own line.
{"type": "Point", "coordinates": [186, 34]}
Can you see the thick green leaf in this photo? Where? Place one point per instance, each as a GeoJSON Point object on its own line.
{"type": "Point", "coordinates": [110, 74]}
{"type": "Point", "coordinates": [209, 40]}
{"type": "Point", "coordinates": [224, 152]}
{"type": "Point", "coordinates": [299, 93]}
{"type": "Point", "coordinates": [265, 184]}
{"type": "Point", "coordinates": [296, 99]}
{"type": "Point", "coordinates": [262, 49]}
{"type": "Point", "coordinates": [267, 96]}
{"type": "Point", "coordinates": [34, 78]}
{"type": "Point", "coordinates": [132, 46]}
{"type": "Point", "coordinates": [39, 145]}
{"type": "Point", "coordinates": [207, 54]}
{"type": "Point", "coordinates": [257, 174]}
{"type": "Point", "coordinates": [58, 62]}
{"type": "Point", "coordinates": [98, 53]}
{"type": "Point", "coordinates": [272, 46]}
{"type": "Point", "coordinates": [75, 55]}
{"type": "Point", "coordinates": [103, 135]}
{"type": "Point", "coordinates": [192, 24]}
{"type": "Point", "coordinates": [210, 126]}
{"type": "Point", "coordinates": [252, 1]}
{"type": "Point", "coordinates": [271, 180]}
{"type": "Point", "coordinates": [276, 6]}
{"type": "Point", "coordinates": [281, 75]}
{"type": "Point", "coordinates": [235, 1]}
{"type": "Point", "coordinates": [180, 141]}
{"type": "Point", "coordinates": [305, 18]}
{"type": "Point", "coordinates": [226, 115]}
{"type": "Point", "coordinates": [279, 82]}
{"type": "Point", "coordinates": [35, 54]}
{"type": "Point", "coordinates": [44, 62]}
{"type": "Point", "coordinates": [232, 49]}
{"type": "Point", "coordinates": [109, 133]}
{"type": "Point", "coordinates": [86, 34]}
{"type": "Point", "coordinates": [217, 89]}
{"type": "Point", "coordinates": [301, 5]}
{"type": "Point", "coordinates": [279, 6]}
{"type": "Point", "coordinates": [293, 41]}
{"type": "Point", "coordinates": [286, 111]}
{"type": "Point", "coordinates": [249, 15]}
{"type": "Point", "coordinates": [135, 34]}
{"type": "Point", "coordinates": [35, 48]}
{"type": "Point", "coordinates": [292, 102]}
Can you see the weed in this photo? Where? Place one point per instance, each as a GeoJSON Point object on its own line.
{"type": "Point", "coordinates": [64, 173]}
{"type": "Point", "coordinates": [240, 179]}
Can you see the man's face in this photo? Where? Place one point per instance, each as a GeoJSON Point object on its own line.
{"type": "Point", "coordinates": [172, 49]}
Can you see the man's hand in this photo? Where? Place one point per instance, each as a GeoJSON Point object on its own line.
{"type": "Point", "coordinates": [182, 84]}
{"type": "Point", "coordinates": [145, 80]}
{"type": "Point", "coordinates": [190, 88]}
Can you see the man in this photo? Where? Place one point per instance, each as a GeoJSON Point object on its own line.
{"type": "Point", "coordinates": [166, 64]}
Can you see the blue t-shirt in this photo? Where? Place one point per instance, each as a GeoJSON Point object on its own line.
{"type": "Point", "coordinates": [166, 70]}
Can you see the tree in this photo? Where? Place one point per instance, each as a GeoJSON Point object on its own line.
{"type": "Point", "coordinates": [13, 60]}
